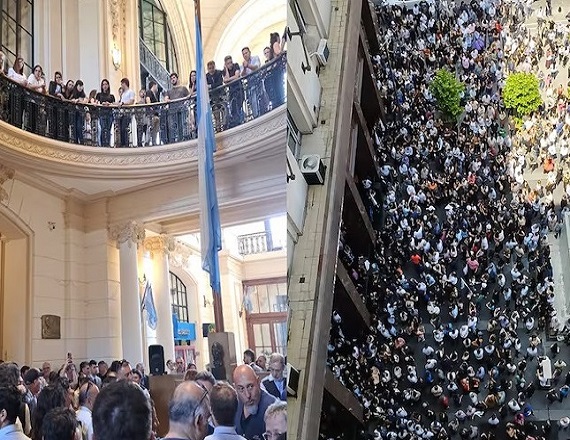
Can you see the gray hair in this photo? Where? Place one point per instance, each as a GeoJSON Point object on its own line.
{"type": "Point", "coordinates": [183, 408]}
{"type": "Point", "coordinates": [277, 357]}
{"type": "Point", "coordinates": [276, 409]}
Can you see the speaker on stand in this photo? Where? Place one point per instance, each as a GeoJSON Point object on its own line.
{"type": "Point", "coordinates": [156, 360]}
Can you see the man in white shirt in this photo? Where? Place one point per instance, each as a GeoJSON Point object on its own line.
{"type": "Point", "coordinates": [251, 64]}
{"type": "Point", "coordinates": [127, 98]}
{"type": "Point", "coordinates": [87, 395]}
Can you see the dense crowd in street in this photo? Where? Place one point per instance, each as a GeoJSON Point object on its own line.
{"type": "Point", "coordinates": [460, 285]}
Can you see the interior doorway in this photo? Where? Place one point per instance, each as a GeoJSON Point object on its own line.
{"type": "Point", "coordinates": [15, 288]}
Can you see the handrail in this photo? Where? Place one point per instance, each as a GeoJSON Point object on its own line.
{"type": "Point", "coordinates": [153, 65]}
{"type": "Point", "coordinates": [255, 243]}
{"type": "Point", "coordinates": [233, 104]}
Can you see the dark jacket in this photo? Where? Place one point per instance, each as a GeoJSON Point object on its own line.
{"type": "Point", "coordinates": [253, 427]}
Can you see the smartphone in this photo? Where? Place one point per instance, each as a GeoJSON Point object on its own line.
{"type": "Point", "coordinates": [69, 357]}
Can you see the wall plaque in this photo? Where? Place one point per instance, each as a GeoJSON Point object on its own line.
{"type": "Point", "coordinates": [51, 327]}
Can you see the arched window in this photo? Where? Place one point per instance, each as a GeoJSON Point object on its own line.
{"type": "Point", "coordinates": [17, 30]}
{"type": "Point", "coordinates": [155, 32]}
{"type": "Point", "coordinates": [179, 298]}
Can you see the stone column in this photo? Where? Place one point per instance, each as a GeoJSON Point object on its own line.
{"type": "Point", "coordinates": [159, 248]}
{"type": "Point", "coordinates": [128, 236]}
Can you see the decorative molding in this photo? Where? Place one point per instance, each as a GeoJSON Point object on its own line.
{"type": "Point", "coordinates": [162, 243]}
{"type": "Point", "coordinates": [6, 173]}
{"type": "Point", "coordinates": [45, 155]}
{"type": "Point", "coordinates": [123, 20]}
{"type": "Point", "coordinates": [181, 255]}
{"type": "Point", "coordinates": [130, 232]}
{"type": "Point", "coordinates": [115, 24]}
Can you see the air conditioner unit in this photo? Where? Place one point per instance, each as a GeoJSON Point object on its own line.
{"type": "Point", "coordinates": [313, 169]}
{"type": "Point", "coordinates": [322, 52]}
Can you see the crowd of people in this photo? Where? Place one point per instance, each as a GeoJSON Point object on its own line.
{"type": "Point", "coordinates": [148, 130]}
{"type": "Point", "coordinates": [98, 401]}
{"type": "Point", "coordinates": [460, 283]}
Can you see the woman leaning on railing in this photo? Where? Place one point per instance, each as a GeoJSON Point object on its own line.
{"type": "Point", "coordinates": [66, 115]}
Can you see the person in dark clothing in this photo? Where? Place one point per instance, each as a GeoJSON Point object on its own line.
{"type": "Point", "coordinates": [105, 98]}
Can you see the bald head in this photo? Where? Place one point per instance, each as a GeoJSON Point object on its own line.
{"type": "Point", "coordinates": [188, 390]}
{"type": "Point", "coordinates": [188, 402]}
{"type": "Point", "coordinates": [247, 386]}
{"type": "Point", "coordinates": [188, 411]}
{"type": "Point", "coordinates": [244, 371]}
{"type": "Point", "coordinates": [87, 394]}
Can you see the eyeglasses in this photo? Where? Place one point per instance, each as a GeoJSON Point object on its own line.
{"type": "Point", "coordinates": [271, 435]}
{"type": "Point", "coordinates": [201, 399]}
{"type": "Point", "coordinates": [86, 392]}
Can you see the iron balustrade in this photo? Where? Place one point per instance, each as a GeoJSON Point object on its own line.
{"type": "Point", "coordinates": [233, 104]}
{"type": "Point", "coordinates": [153, 65]}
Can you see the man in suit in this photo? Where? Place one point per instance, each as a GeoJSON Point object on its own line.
{"type": "Point", "coordinates": [275, 384]}
{"type": "Point", "coordinates": [253, 402]}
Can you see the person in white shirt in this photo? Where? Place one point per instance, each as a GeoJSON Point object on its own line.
{"type": "Point", "coordinates": [36, 80]}
{"type": "Point", "coordinates": [87, 395]}
{"type": "Point", "coordinates": [127, 98]}
{"type": "Point", "coordinates": [250, 63]}
{"type": "Point", "coordinates": [16, 72]}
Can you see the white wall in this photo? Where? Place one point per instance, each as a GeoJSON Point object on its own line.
{"type": "Point", "coordinates": [303, 87]}
{"type": "Point", "coordinates": [15, 310]}
{"type": "Point", "coordinates": [296, 204]}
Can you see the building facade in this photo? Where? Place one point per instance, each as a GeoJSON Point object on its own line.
{"type": "Point", "coordinates": [83, 228]}
{"type": "Point", "coordinates": [333, 108]}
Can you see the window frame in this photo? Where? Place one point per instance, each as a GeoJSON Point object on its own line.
{"type": "Point", "coordinates": [179, 298]}
{"type": "Point", "coordinates": [20, 29]}
{"type": "Point", "coordinates": [170, 60]}
{"type": "Point", "coordinates": [271, 318]}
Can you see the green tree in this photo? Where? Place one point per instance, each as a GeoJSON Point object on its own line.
{"type": "Point", "coordinates": [446, 90]}
{"type": "Point", "coordinates": [521, 93]}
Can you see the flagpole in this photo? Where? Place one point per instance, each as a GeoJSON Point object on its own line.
{"type": "Point", "coordinates": [217, 296]}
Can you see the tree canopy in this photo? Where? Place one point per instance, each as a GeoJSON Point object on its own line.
{"type": "Point", "coordinates": [446, 90]}
{"type": "Point", "coordinates": [521, 93]}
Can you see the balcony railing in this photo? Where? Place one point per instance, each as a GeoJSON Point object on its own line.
{"type": "Point", "coordinates": [252, 243]}
{"type": "Point", "coordinates": [164, 123]}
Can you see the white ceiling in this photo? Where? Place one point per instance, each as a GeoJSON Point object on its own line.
{"type": "Point", "coordinates": [229, 25]}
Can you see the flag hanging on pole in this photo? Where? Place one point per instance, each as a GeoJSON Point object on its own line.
{"type": "Point", "coordinates": [148, 305]}
{"type": "Point", "coordinates": [210, 229]}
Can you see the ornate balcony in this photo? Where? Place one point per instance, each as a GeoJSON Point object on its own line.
{"type": "Point", "coordinates": [233, 104]}
{"type": "Point", "coordinates": [253, 243]}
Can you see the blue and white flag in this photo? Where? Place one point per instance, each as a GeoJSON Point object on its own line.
{"type": "Point", "coordinates": [148, 305]}
{"type": "Point", "coordinates": [210, 229]}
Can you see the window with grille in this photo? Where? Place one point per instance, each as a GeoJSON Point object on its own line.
{"type": "Point", "coordinates": [179, 298]}
{"type": "Point", "coordinates": [17, 32]}
{"type": "Point", "coordinates": [156, 33]}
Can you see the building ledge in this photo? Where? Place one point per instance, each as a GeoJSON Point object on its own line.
{"type": "Point", "coordinates": [259, 137]}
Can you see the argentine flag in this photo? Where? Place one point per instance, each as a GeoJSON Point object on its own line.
{"type": "Point", "coordinates": [210, 229]}
{"type": "Point", "coordinates": [148, 305]}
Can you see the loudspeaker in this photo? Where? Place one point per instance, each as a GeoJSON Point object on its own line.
{"type": "Point", "coordinates": [156, 359]}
